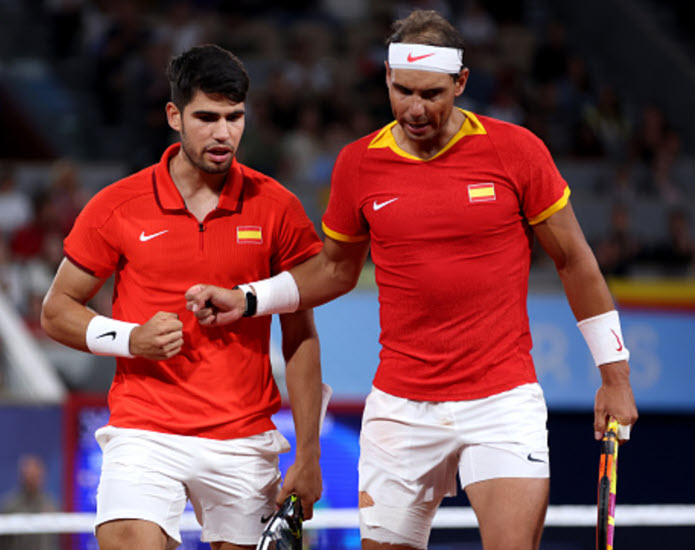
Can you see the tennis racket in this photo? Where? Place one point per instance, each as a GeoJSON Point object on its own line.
{"type": "Point", "coordinates": [606, 490]}
{"type": "Point", "coordinates": [284, 528]}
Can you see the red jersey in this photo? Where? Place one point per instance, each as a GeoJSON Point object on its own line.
{"type": "Point", "coordinates": [451, 241]}
{"type": "Point", "coordinates": [220, 384]}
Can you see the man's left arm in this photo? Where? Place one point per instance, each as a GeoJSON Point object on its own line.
{"type": "Point", "coordinates": [303, 379]}
{"type": "Point", "coordinates": [589, 298]}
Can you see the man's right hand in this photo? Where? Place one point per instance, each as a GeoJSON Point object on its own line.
{"type": "Point", "coordinates": [213, 305]}
{"type": "Point", "coordinates": [160, 338]}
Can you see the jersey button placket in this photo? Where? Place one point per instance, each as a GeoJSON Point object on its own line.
{"type": "Point", "coordinates": [201, 231]}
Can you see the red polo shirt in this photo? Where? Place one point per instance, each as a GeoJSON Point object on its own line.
{"type": "Point", "coordinates": [220, 384]}
{"type": "Point", "coordinates": [451, 241]}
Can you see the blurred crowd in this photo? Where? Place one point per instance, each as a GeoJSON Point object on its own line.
{"type": "Point", "coordinates": [317, 82]}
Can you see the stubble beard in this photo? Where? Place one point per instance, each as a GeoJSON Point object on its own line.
{"type": "Point", "coordinates": [199, 162]}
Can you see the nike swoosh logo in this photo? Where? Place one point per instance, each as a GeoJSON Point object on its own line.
{"type": "Point", "coordinates": [144, 237]}
{"type": "Point", "coordinates": [111, 333]}
{"type": "Point", "coordinates": [532, 459]}
{"type": "Point", "coordinates": [377, 205]}
{"type": "Point", "coordinates": [411, 58]}
{"type": "Point", "coordinates": [618, 341]}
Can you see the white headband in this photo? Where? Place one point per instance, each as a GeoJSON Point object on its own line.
{"type": "Point", "coordinates": [421, 57]}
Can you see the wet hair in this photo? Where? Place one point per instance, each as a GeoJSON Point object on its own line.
{"type": "Point", "coordinates": [210, 69]}
{"type": "Point", "coordinates": [427, 27]}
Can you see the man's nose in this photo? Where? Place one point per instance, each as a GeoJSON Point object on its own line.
{"type": "Point", "coordinates": [221, 130]}
{"type": "Point", "coordinates": [416, 107]}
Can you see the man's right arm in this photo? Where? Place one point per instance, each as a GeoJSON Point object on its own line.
{"type": "Point", "coordinates": [320, 279]}
{"type": "Point", "coordinates": [64, 315]}
{"type": "Point", "coordinates": [331, 273]}
{"type": "Point", "coordinates": [66, 318]}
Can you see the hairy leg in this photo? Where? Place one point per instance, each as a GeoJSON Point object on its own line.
{"type": "Point", "coordinates": [510, 511]}
{"type": "Point", "coordinates": [126, 534]}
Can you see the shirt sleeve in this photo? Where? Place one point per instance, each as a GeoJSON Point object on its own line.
{"type": "Point", "coordinates": [343, 220]}
{"type": "Point", "coordinates": [92, 243]}
{"type": "Point", "coordinates": [541, 188]}
{"type": "Point", "coordinates": [297, 239]}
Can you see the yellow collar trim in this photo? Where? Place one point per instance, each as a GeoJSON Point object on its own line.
{"type": "Point", "coordinates": [472, 126]}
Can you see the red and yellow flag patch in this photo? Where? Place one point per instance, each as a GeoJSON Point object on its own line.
{"type": "Point", "coordinates": [481, 192]}
{"type": "Point", "coordinates": [249, 234]}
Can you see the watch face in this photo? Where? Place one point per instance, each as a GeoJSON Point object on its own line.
{"type": "Point", "coordinates": [251, 304]}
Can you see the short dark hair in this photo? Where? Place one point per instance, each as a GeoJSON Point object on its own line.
{"type": "Point", "coordinates": [210, 69]}
{"type": "Point", "coordinates": [427, 27]}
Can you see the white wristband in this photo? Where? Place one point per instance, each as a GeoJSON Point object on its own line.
{"type": "Point", "coordinates": [278, 294]}
{"type": "Point", "coordinates": [107, 336]}
{"type": "Point", "coordinates": [603, 336]}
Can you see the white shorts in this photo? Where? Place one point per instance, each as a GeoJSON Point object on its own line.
{"type": "Point", "coordinates": [410, 451]}
{"type": "Point", "coordinates": [231, 484]}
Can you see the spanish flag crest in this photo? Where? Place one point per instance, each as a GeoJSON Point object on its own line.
{"type": "Point", "coordinates": [249, 234]}
{"type": "Point", "coordinates": [481, 192]}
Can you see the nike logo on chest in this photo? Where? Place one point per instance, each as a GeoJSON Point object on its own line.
{"type": "Point", "coordinates": [379, 205]}
{"type": "Point", "coordinates": [144, 237]}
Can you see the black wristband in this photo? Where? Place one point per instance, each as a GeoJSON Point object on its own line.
{"type": "Point", "coordinates": [251, 303]}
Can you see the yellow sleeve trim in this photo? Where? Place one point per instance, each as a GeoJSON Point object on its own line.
{"type": "Point", "coordinates": [555, 207]}
{"type": "Point", "coordinates": [341, 237]}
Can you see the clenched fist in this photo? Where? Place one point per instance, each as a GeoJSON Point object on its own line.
{"type": "Point", "coordinates": [160, 338]}
{"type": "Point", "coordinates": [213, 305]}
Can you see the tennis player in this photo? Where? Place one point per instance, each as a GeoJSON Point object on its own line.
{"type": "Point", "coordinates": [449, 202]}
{"type": "Point", "coordinates": [190, 405]}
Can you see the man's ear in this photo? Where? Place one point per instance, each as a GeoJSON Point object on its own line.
{"type": "Point", "coordinates": [173, 116]}
{"type": "Point", "coordinates": [460, 84]}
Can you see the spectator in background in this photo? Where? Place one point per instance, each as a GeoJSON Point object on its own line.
{"type": "Point", "coordinates": [65, 26]}
{"type": "Point", "coordinates": [301, 146]}
{"type": "Point", "coordinates": [674, 254]}
{"type": "Point", "coordinates": [67, 194]}
{"type": "Point", "coordinates": [183, 26]}
{"type": "Point", "coordinates": [608, 121]}
{"type": "Point", "coordinates": [505, 104]}
{"type": "Point", "coordinates": [619, 250]}
{"type": "Point", "coordinates": [550, 61]}
{"type": "Point", "coordinates": [122, 40]}
{"type": "Point", "coordinates": [477, 26]}
{"type": "Point", "coordinates": [11, 282]}
{"type": "Point", "coordinates": [662, 168]}
{"type": "Point", "coordinates": [621, 187]}
{"type": "Point", "coordinates": [27, 241]}
{"type": "Point", "coordinates": [29, 498]}
{"type": "Point", "coordinates": [15, 206]}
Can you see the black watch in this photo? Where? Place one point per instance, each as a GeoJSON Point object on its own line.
{"type": "Point", "coordinates": [251, 303]}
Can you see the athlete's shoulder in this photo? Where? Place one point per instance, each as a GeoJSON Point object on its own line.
{"type": "Point", "coordinates": [133, 186]}
{"type": "Point", "coordinates": [503, 131]}
{"type": "Point", "coordinates": [353, 152]}
{"type": "Point", "coordinates": [259, 184]}
{"type": "Point", "coordinates": [507, 136]}
{"type": "Point", "coordinates": [111, 198]}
